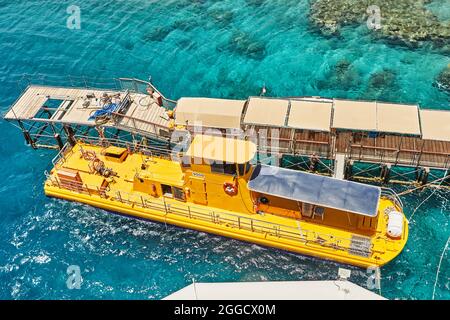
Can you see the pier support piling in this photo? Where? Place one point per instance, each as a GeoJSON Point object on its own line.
{"type": "Point", "coordinates": [422, 176]}
{"type": "Point", "coordinates": [29, 141]}
{"type": "Point", "coordinates": [70, 135]}
{"type": "Point", "coordinates": [59, 141]}
{"type": "Point", "coordinates": [348, 172]}
{"type": "Point", "coordinates": [385, 173]}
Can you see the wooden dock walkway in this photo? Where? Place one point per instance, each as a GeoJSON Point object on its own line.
{"type": "Point", "coordinates": [74, 106]}
{"type": "Point", "coordinates": [340, 131]}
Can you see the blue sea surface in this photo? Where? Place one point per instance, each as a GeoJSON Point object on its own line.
{"type": "Point", "coordinates": [228, 48]}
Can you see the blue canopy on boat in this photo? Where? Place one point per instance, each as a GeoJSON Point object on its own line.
{"type": "Point", "coordinates": [316, 189]}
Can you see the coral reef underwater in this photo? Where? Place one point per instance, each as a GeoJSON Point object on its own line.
{"type": "Point", "coordinates": [408, 22]}
{"type": "Point", "coordinates": [443, 79]}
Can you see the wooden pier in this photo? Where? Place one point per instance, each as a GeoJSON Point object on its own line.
{"type": "Point", "coordinates": [342, 132]}
{"type": "Point", "coordinates": [46, 113]}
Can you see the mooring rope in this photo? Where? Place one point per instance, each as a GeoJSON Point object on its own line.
{"type": "Point", "coordinates": [439, 267]}
{"type": "Point", "coordinates": [440, 180]}
{"type": "Point", "coordinates": [434, 191]}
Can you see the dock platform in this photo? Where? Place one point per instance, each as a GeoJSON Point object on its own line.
{"type": "Point", "coordinates": [76, 105]}
{"type": "Point", "coordinates": [341, 132]}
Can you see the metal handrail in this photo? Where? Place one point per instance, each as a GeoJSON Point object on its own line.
{"type": "Point", "coordinates": [168, 103]}
{"type": "Point", "coordinates": [91, 83]}
{"type": "Point", "coordinates": [62, 154]}
{"type": "Point", "coordinates": [255, 225]}
{"type": "Point", "coordinates": [391, 194]}
{"type": "Point", "coordinates": [133, 146]}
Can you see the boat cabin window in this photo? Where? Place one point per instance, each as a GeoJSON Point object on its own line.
{"type": "Point", "coordinates": [307, 209]}
{"type": "Point", "coordinates": [223, 168]}
{"type": "Point", "coordinates": [173, 192]}
{"type": "Point", "coordinates": [179, 194]}
{"type": "Point", "coordinates": [312, 211]}
{"type": "Point", "coordinates": [116, 154]}
{"type": "Point", "coordinates": [166, 190]}
{"type": "Point", "coordinates": [113, 155]}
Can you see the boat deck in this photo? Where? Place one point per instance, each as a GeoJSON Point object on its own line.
{"type": "Point", "coordinates": [332, 229]}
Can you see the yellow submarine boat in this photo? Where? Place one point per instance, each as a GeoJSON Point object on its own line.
{"type": "Point", "coordinates": [215, 187]}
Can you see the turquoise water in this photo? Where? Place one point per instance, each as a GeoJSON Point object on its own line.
{"type": "Point", "coordinates": [227, 48]}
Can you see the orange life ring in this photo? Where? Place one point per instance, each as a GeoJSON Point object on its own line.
{"type": "Point", "coordinates": [230, 188]}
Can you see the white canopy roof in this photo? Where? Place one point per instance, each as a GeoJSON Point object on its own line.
{"type": "Point", "coordinates": [355, 115]}
{"type": "Point", "coordinates": [310, 115]}
{"type": "Point", "coordinates": [376, 116]}
{"type": "Point", "coordinates": [435, 124]}
{"type": "Point", "coordinates": [398, 118]}
{"type": "Point", "coordinates": [266, 111]}
{"type": "Point", "coordinates": [212, 113]}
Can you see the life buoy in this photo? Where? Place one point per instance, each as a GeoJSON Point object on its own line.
{"type": "Point", "coordinates": [230, 188]}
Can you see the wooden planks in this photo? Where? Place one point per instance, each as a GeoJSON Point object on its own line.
{"type": "Point", "coordinates": [147, 118]}
{"type": "Point", "coordinates": [145, 114]}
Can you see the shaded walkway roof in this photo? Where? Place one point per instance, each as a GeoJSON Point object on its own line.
{"type": "Point", "coordinates": [376, 117]}
{"type": "Point", "coordinates": [212, 113]}
{"type": "Point", "coordinates": [267, 112]}
{"type": "Point", "coordinates": [435, 124]}
{"type": "Point", "coordinates": [310, 115]}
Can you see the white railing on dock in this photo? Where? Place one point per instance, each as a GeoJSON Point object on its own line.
{"type": "Point", "coordinates": [119, 84]}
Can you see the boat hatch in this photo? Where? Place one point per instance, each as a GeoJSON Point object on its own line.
{"type": "Point", "coordinates": [115, 154]}
{"type": "Point", "coordinates": [316, 189]}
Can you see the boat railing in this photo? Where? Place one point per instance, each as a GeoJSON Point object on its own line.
{"type": "Point", "coordinates": [392, 195]}
{"type": "Point", "coordinates": [141, 86]}
{"type": "Point", "coordinates": [69, 81]}
{"type": "Point", "coordinates": [310, 238]}
{"type": "Point", "coordinates": [119, 84]}
{"type": "Point", "coordinates": [62, 154]}
{"type": "Point", "coordinates": [135, 147]}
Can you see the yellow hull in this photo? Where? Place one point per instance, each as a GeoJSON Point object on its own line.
{"type": "Point", "coordinates": [223, 229]}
